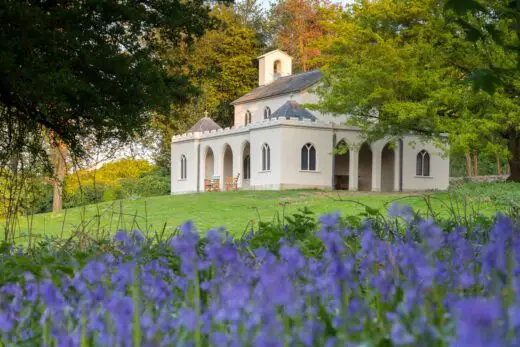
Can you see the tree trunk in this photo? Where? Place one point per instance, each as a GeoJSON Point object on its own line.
{"type": "Point", "coordinates": [475, 162]}
{"type": "Point", "coordinates": [469, 166]}
{"type": "Point", "coordinates": [499, 164]}
{"type": "Point", "coordinates": [59, 152]}
{"type": "Point", "coordinates": [514, 161]}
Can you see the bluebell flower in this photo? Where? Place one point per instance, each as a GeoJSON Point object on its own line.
{"type": "Point", "coordinates": [432, 234]}
{"type": "Point", "coordinates": [330, 221]}
{"type": "Point", "coordinates": [400, 336]}
{"type": "Point", "coordinates": [399, 210]}
{"type": "Point", "coordinates": [94, 271]}
{"type": "Point", "coordinates": [51, 295]}
{"type": "Point", "coordinates": [479, 323]}
{"type": "Point", "coordinates": [6, 322]}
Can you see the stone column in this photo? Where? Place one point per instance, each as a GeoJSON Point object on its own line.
{"type": "Point", "coordinates": [397, 170]}
{"type": "Point", "coordinates": [376, 168]}
{"type": "Point", "coordinates": [353, 170]}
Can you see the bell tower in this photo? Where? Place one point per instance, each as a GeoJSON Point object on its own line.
{"type": "Point", "coordinates": [273, 65]}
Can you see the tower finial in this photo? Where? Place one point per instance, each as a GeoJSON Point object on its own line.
{"type": "Point", "coordinates": [206, 113]}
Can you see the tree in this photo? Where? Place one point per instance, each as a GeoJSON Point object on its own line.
{"type": "Point", "coordinates": [58, 154]}
{"type": "Point", "coordinates": [222, 64]}
{"type": "Point", "coordinates": [252, 15]}
{"type": "Point", "coordinates": [88, 69]}
{"type": "Point", "coordinates": [296, 25]}
{"type": "Point", "coordinates": [401, 66]}
{"type": "Point", "coordinates": [494, 27]}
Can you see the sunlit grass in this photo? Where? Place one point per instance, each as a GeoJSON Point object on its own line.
{"type": "Point", "coordinates": [240, 210]}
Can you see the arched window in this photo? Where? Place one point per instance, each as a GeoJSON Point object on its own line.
{"type": "Point", "coordinates": [277, 69]}
{"type": "Point", "coordinates": [308, 157]}
{"type": "Point", "coordinates": [247, 167]}
{"type": "Point", "coordinates": [248, 118]}
{"type": "Point", "coordinates": [184, 170]}
{"type": "Point", "coordinates": [266, 157]}
{"type": "Point", "coordinates": [423, 164]}
{"type": "Point", "coordinates": [267, 113]}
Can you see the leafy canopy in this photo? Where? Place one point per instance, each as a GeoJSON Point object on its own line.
{"type": "Point", "coordinates": [88, 68]}
{"type": "Point", "coordinates": [401, 66]}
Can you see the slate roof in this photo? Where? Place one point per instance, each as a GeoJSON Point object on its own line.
{"type": "Point", "coordinates": [283, 85]}
{"type": "Point", "coordinates": [291, 109]}
{"type": "Point", "coordinates": [204, 124]}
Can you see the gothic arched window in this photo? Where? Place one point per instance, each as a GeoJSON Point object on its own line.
{"type": "Point", "coordinates": [247, 118]}
{"type": "Point", "coordinates": [266, 157]}
{"type": "Point", "coordinates": [423, 164]}
{"type": "Point", "coordinates": [184, 170]}
{"type": "Point", "coordinates": [247, 167]}
{"type": "Point", "coordinates": [308, 157]}
{"type": "Point", "coordinates": [267, 112]}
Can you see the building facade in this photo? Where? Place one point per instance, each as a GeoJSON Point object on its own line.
{"type": "Point", "coordinates": [277, 144]}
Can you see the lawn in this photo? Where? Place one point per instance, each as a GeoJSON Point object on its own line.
{"type": "Point", "coordinates": [237, 210]}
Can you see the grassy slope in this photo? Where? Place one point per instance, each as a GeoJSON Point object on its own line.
{"type": "Point", "coordinates": [236, 209]}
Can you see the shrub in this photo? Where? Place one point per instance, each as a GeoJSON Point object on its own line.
{"type": "Point", "coordinates": [110, 174]}
{"type": "Point", "coordinates": [151, 184]}
{"type": "Point", "coordinates": [118, 180]}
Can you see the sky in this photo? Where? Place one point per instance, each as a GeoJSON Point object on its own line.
{"type": "Point", "coordinates": [265, 3]}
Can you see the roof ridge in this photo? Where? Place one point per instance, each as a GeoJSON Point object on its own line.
{"type": "Point", "coordinates": [283, 85]}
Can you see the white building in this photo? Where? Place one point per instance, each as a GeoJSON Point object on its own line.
{"type": "Point", "coordinates": [276, 144]}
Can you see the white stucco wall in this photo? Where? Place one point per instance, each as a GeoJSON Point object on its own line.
{"type": "Point", "coordinates": [439, 178]}
{"type": "Point", "coordinates": [189, 149]}
{"type": "Point", "coordinates": [218, 144]}
{"type": "Point", "coordinates": [286, 139]}
{"type": "Point", "coordinates": [294, 137]}
{"type": "Point", "coordinates": [266, 66]}
{"type": "Point", "coordinates": [257, 108]}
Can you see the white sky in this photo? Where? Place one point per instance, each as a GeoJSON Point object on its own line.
{"type": "Point", "coordinates": [265, 3]}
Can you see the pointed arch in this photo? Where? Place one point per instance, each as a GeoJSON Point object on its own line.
{"type": "Point", "coordinates": [184, 170]}
{"type": "Point", "coordinates": [341, 165]}
{"type": "Point", "coordinates": [387, 168]}
{"type": "Point", "coordinates": [365, 167]}
{"type": "Point", "coordinates": [248, 118]}
{"type": "Point", "coordinates": [308, 157]}
{"type": "Point", "coordinates": [209, 163]}
{"type": "Point", "coordinates": [266, 157]}
{"type": "Point", "coordinates": [423, 164]}
{"type": "Point", "coordinates": [267, 112]}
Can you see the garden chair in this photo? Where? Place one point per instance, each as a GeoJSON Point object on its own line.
{"type": "Point", "coordinates": [215, 183]}
{"type": "Point", "coordinates": [228, 183]}
{"type": "Point", "coordinates": [207, 185]}
{"type": "Point", "coordinates": [235, 182]}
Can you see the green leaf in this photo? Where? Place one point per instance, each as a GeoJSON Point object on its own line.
{"type": "Point", "coordinates": [495, 33]}
{"type": "Point", "coordinates": [464, 6]}
{"type": "Point", "coordinates": [485, 79]}
{"type": "Point", "coordinates": [473, 34]}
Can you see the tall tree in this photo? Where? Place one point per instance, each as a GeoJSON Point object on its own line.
{"type": "Point", "coordinates": [87, 68]}
{"type": "Point", "coordinates": [494, 27]}
{"type": "Point", "coordinates": [222, 64]}
{"type": "Point", "coordinates": [401, 66]}
{"type": "Point", "coordinates": [296, 25]}
{"type": "Point", "coordinates": [251, 14]}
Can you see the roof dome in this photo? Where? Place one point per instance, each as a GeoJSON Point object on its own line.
{"type": "Point", "coordinates": [291, 109]}
{"type": "Point", "coordinates": [204, 124]}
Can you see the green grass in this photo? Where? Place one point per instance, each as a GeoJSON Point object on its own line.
{"type": "Point", "coordinates": [237, 210]}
